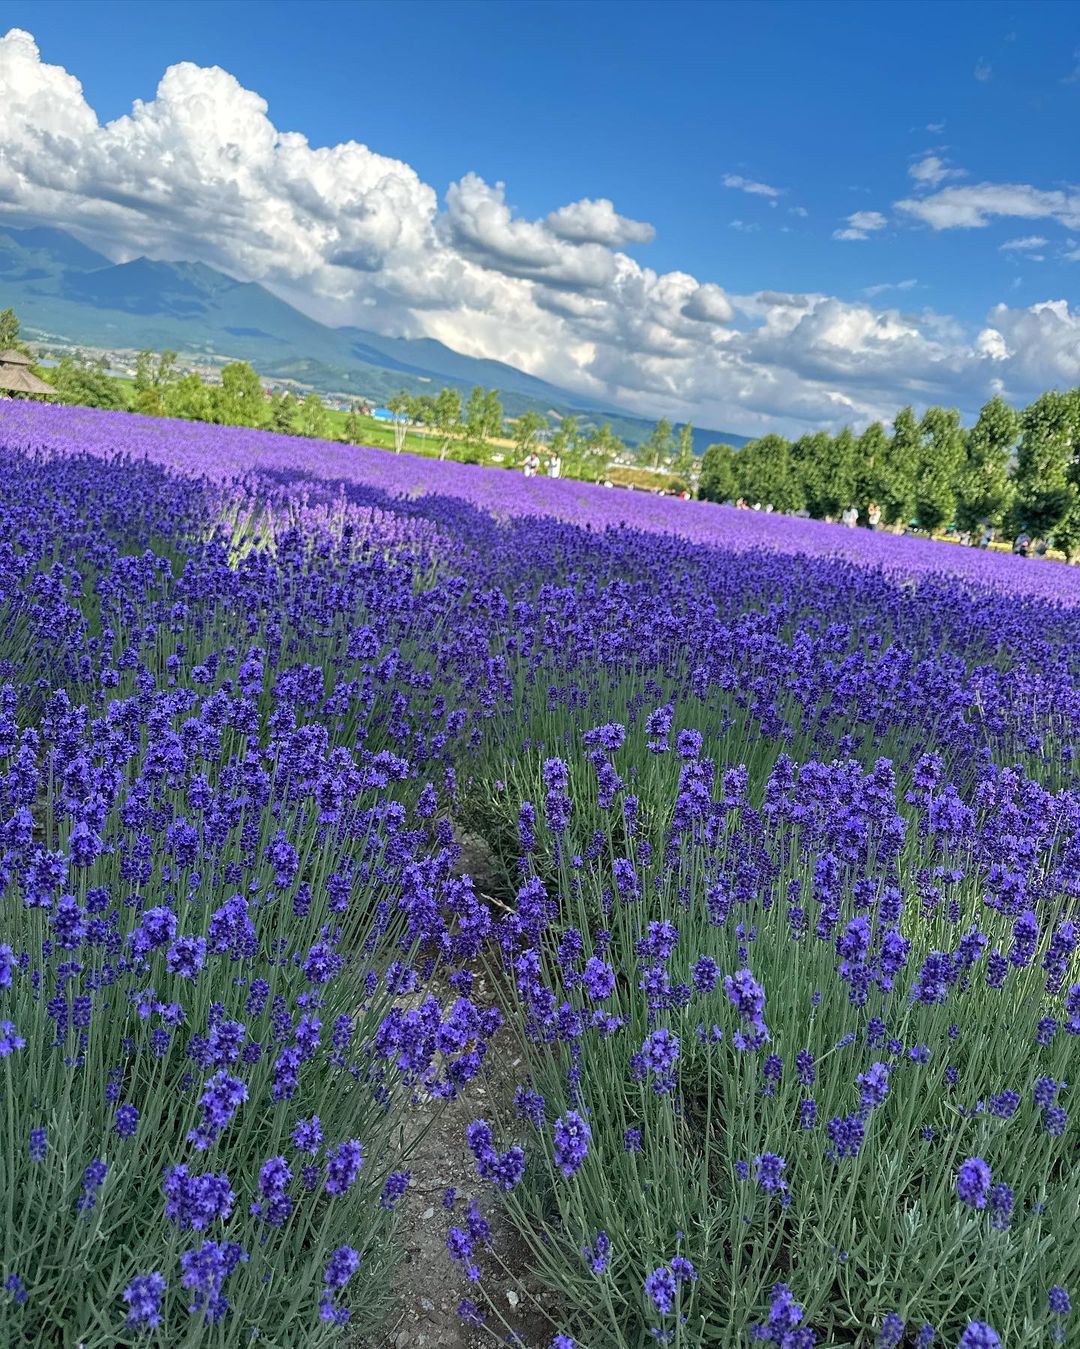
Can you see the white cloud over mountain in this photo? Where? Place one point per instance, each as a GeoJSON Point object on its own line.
{"type": "Point", "coordinates": [201, 172]}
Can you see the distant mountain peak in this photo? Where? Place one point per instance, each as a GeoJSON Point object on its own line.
{"type": "Point", "coordinates": [65, 290]}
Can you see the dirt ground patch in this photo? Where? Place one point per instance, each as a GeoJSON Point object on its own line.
{"type": "Point", "coordinates": [429, 1286]}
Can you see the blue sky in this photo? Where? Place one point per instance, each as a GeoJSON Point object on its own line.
{"type": "Point", "coordinates": [747, 135]}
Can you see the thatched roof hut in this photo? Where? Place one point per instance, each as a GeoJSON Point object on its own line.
{"type": "Point", "coordinates": [15, 376]}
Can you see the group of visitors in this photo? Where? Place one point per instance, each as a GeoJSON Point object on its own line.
{"type": "Point", "coordinates": [850, 516]}
{"type": "Point", "coordinates": [532, 465]}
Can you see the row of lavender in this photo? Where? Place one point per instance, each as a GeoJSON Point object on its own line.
{"type": "Point", "coordinates": [790, 853]}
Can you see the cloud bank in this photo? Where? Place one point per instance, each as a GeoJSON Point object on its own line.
{"type": "Point", "coordinates": [201, 172]}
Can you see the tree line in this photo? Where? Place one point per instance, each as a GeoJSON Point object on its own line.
{"type": "Point", "coordinates": [1010, 471]}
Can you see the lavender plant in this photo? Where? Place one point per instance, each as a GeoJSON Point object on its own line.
{"type": "Point", "coordinates": [788, 826]}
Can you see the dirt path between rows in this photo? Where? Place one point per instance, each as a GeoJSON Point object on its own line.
{"type": "Point", "coordinates": [429, 1286]}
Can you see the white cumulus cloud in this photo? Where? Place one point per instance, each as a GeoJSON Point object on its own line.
{"type": "Point", "coordinates": [860, 225]}
{"type": "Point", "coordinates": [974, 206]}
{"type": "Point", "coordinates": [748, 185]}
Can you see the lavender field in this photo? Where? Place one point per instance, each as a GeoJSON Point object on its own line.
{"type": "Point", "coordinates": [779, 945]}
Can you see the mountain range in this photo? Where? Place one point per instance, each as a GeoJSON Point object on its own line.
{"type": "Point", "coordinates": [65, 292]}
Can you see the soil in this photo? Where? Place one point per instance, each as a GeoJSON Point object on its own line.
{"type": "Point", "coordinates": [429, 1285]}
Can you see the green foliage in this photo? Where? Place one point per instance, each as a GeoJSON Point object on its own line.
{"type": "Point", "coordinates": [86, 384]}
{"type": "Point", "coordinates": [1047, 490]}
{"type": "Point", "coordinates": [9, 332]}
{"type": "Point", "coordinates": [897, 499]}
{"type": "Point", "coordinates": [717, 479]}
{"type": "Point", "coordinates": [685, 465]}
{"type": "Point", "coordinates": [764, 473]}
{"type": "Point", "coordinates": [659, 446]}
{"type": "Point", "coordinates": [283, 413]}
{"type": "Point", "coordinates": [942, 461]}
{"type": "Point", "coordinates": [527, 428]}
{"type": "Point", "coordinates": [190, 398]}
{"type": "Point", "coordinates": [153, 374]}
{"type": "Point", "coordinates": [239, 399]}
{"type": "Point", "coordinates": [313, 419]}
{"type": "Point", "coordinates": [984, 490]}
{"type": "Point", "coordinates": [871, 464]}
{"type": "Point", "coordinates": [813, 461]}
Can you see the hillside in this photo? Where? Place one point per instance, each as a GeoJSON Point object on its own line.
{"type": "Point", "coordinates": [66, 291]}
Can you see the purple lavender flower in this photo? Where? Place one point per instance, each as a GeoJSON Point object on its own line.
{"type": "Point", "coordinates": [308, 1135]}
{"type": "Point", "coordinates": [186, 957]}
{"type": "Point", "coordinates": [196, 1201]}
{"type": "Point", "coordinates": [598, 979]}
{"type": "Point", "coordinates": [660, 1052]}
{"type": "Point", "coordinates": [343, 1166]}
{"type": "Point", "coordinates": [204, 1270]}
{"type": "Point", "coordinates": [143, 1296]}
{"type": "Point", "coordinates": [341, 1266]}
{"type": "Point", "coordinates": [1001, 1206]}
{"type": "Point", "coordinates": [770, 1173]}
{"type": "Point", "coordinates": [873, 1086]}
{"type": "Point", "coordinates": [572, 1134]}
{"type": "Point", "coordinates": [1004, 1104]}
{"type": "Point", "coordinates": [393, 1188]}
{"type": "Point", "coordinates": [891, 1332]}
{"type": "Point", "coordinates": [846, 1135]}
{"type": "Point", "coordinates": [747, 996]}
{"type": "Point", "coordinates": [127, 1121]}
{"type": "Point", "coordinates": [9, 1041]}
{"type": "Point", "coordinates": [660, 1287]}
{"type": "Point", "coordinates": [93, 1178]}
{"type": "Point", "coordinates": [973, 1182]}
{"type": "Point", "coordinates": [979, 1335]}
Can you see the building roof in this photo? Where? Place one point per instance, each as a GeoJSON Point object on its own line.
{"type": "Point", "coordinates": [17, 379]}
{"type": "Point", "coordinates": [12, 357]}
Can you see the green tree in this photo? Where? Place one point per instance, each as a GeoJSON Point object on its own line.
{"type": "Point", "coordinates": [493, 415]}
{"type": "Point", "coordinates": [717, 478]}
{"type": "Point", "coordinates": [239, 399]}
{"type": "Point", "coordinates": [1046, 480]}
{"type": "Point", "coordinates": [897, 484]}
{"type": "Point", "coordinates": [985, 490]}
{"type": "Point", "coordinates": [476, 416]}
{"type": "Point", "coordinates": [871, 465]}
{"type": "Point", "coordinates": [826, 469]}
{"type": "Point", "coordinates": [422, 410]}
{"type": "Point", "coordinates": [190, 398]}
{"type": "Point", "coordinates": [401, 406]}
{"type": "Point", "coordinates": [447, 420]}
{"type": "Point", "coordinates": [590, 454]}
{"type": "Point", "coordinates": [566, 439]}
{"type": "Point", "coordinates": [941, 464]}
{"type": "Point", "coordinates": [764, 473]}
{"type": "Point", "coordinates": [86, 384]}
{"type": "Point", "coordinates": [153, 374]}
{"type": "Point", "coordinates": [314, 422]}
{"type": "Point", "coordinates": [9, 333]}
{"type": "Point", "coordinates": [283, 413]}
{"type": "Point", "coordinates": [659, 446]}
{"type": "Point", "coordinates": [686, 464]}
{"type": "Point", "coordinates": [527, 429]}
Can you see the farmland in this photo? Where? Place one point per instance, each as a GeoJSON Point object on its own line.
{"type": "Point", "coordinates": [778, 945]}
